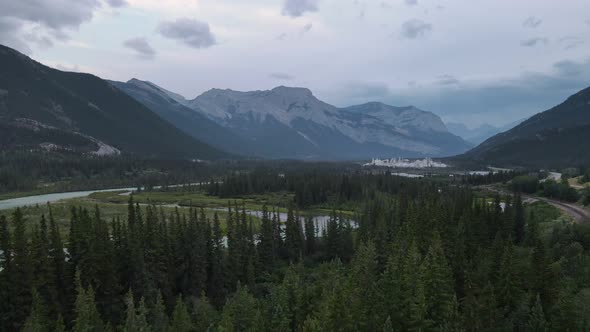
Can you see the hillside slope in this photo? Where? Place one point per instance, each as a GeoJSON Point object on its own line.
{"type": "Point", "coordinates": [44, 108]}
{"type": "Point", "coordinates": [556, 137]}
{"type": "Point", "coordinates": [166, 105]}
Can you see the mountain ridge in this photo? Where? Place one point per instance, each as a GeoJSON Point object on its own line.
{"type": "Point", "coordinates": [555, 137]}
{"type": "Point", "coordinates": [82, 112]}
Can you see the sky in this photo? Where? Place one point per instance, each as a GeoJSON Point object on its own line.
{"type": "Point", "coordinates": [469, 61]}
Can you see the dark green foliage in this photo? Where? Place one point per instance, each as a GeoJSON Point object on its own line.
{"type": "Point", "coordinates": [419, 256]}
{"type": "Point", "coordinates": [525, 184]}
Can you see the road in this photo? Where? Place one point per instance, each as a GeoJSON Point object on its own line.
{"type": "Point", "coordinates": [579, 213]}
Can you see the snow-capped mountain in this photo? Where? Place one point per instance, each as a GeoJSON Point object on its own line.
{"type": "Point", "coordinates": [374, 126]}
{"type": "Point", "coordinates": [290, 122]}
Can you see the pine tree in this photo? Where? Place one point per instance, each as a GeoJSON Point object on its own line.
{"type": "Point", "coordinates": [6, 291]}
{"type": "Point", "coordinates": [293, 240]}
{"type": "Point", "coordinates": [241, 312]}
{"type": "Point", "coordinates": [181, 320]}
{"type": "Point", "coordinates": [37, 320]}
{"type": "Point", "coordinates": [310, 236]}
{"type": "Point", "coordinates": [216, 280]}
{"type": "Point", "coordinates": [438, 284]}
{"type": "Point", "coordinates": [158, 318]}
{"type": "Point", "coordinates": [266, 241]}
{"type": "Point", "coordinates": [21, 272]}
{"type": "Point", "coordinates": [363, 285]}
{"type": "Point", "coordinates": [87, 316]}
{"type": "Point", "coordinates": [60, 277]}
{"type": "Point", "coordinates": [537, 321]}
{"type": "Point", "coordinates": [43, 274]}
{"type": "Point", "coordinates": [60, 326]}
{"type": "Point", "coordinates": [519, 220]}
{"type": "Point", "coordinates": [205, 315]}
{"type": "Point", "coordinates": [136, 320]}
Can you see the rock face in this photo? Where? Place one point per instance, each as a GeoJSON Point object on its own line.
{"type": "Point", "coordinates": [292, 123]}
{"type": "Point", "coordinates": [46, 109]}
{"type": "Point", "coordinates": [555, 138]}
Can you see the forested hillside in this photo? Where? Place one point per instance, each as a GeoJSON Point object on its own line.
{"type": "Point", "coordinates": [419, 255]}
{"type": "Point", "coordinates": [554, 138]}
{"type": "Point", "coordinates": [44, 109]}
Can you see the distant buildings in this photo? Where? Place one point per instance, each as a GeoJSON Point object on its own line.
{"type": "Point", "coordinates": [406, 163]}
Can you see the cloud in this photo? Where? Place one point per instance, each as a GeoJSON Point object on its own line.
{"type": "Point", "coordinates": [571, 42]}
{"type": "Point", "coordinates": [411, 2]}
{"type": "Point", "coordinates": [306, 28]}
{"type": "Point", "coordinates": [282, 76]}
{"type": "Point", "coordinates": [570, 68]}
{"type": "Point", "coordinates": [532, 22]}
{"type": "Point", "coordinates": [117, 3]}
{"type": "Point", "coordinates": [54, 14]}
{"type": "Point", "coordinates": [447, 80]}
{"type": "Point", "coordinates": [296, 8]}
{"type": "Point", "coordinates": [365, 91]}
{"type": "Point", "coordinates": [141, 47]}
{"type": "Point", "coordinates": [191, 32]}
{"type": "Point", "coordinates": [415, 28]}
{"type": "Point", "coordinates": [534, 42]}
{"type": "Point", "coordinates": [282, 36]}
{"type": "Point", "coordinates": [50, 20]}
{"type": "Point", "coordinates": [500, 101]}
{"type": "Point", "coordinates": [9, 31]}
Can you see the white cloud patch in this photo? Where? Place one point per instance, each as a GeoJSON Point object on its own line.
{"type": "Point", "coordinates": [415, 28]}
{"type": "Point", "coordinates": [532, 22]}
{"type": "Point", "coordinates": [296, 8]}
{"type": "Point", "coordinates": [191, 32]}
{"type": "Point", "coordinates": [141, 47]}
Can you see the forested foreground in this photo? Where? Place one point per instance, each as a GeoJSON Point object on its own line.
{"type": "Point", "coordinates": [429, 257]}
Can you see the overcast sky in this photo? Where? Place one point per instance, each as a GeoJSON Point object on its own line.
{"type": "Point", "coordinates": [469, 61]}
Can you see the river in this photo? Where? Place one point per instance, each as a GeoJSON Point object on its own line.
{"type": "Point", "coordinates": [50, 198]}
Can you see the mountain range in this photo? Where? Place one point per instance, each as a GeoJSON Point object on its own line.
{"type": "Point", "coordinates": [480, 133]}
{"type": "Point", "coordinates": [557, 137]}
{"type": "Point", "coordinates": [288, 122]}
{"type": "Point", "coordinates": [46, 109]}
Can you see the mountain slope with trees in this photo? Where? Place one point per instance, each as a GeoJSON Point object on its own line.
{"type": "Point", "coordinates": [44, 108]}
{"type": "Point", "coordinates": [554, 138]}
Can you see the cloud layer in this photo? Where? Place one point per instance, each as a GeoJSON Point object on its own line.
{"type": "Point", "coordinates": [296, 8]}
{"type": "Point", "coordinates": [415, 28]}
{"type": "Point", "coordinates": [191, 32]}
{"type": "Point", "coordinates": [142, 48]}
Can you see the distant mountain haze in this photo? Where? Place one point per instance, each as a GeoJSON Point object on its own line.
{"type": "Point", "coordinates": [479, 134]}
{"type": "Point", "coordinates": [555, 138]}
{"type": "Point", "coordinates": [288, 122]}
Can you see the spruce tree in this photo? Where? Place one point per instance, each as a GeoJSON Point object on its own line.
{"type": "Point", "coordinates": [37, 320]}
{"type": "Point", "coordinates": [87, 316]}
{"type": "Point", "coordinates": [21, 271]}
{"type": "Point", "coordinates": [158, 318]}
{"type": "Point", "coordinates": [519, 220]}
{"type": "Point", "coordinates": [181, 319]}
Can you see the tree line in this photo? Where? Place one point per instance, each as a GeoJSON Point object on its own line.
{"type": "Point", "coordinates": [421, 257]}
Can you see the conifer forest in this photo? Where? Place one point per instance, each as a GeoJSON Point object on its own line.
{"type": "Point", "coordinates": [395, 254]}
